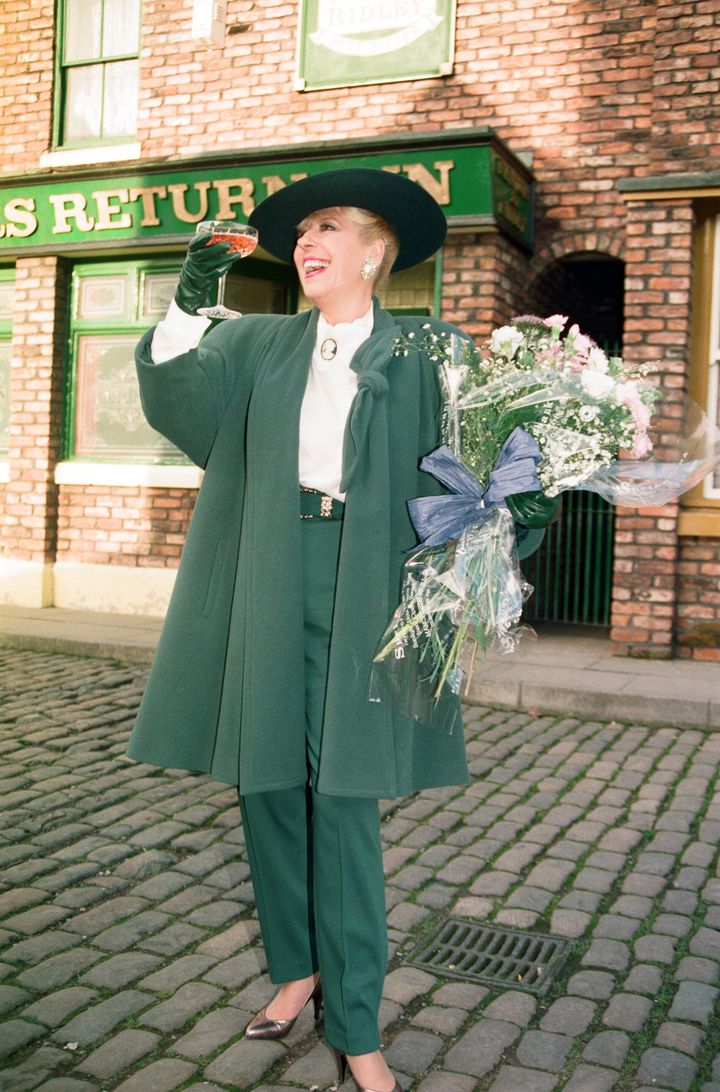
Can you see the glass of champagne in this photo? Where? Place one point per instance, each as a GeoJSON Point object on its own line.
{"type": "Point", "coordinates": [242, 240]}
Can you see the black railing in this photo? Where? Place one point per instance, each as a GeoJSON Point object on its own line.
{"type": "Point", "coordinates": [572, 571]}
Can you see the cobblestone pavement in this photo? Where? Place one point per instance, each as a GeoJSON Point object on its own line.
{"type": "Point", "coordinates": [130, 956]}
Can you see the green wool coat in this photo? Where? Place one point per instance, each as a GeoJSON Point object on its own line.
{"type": "Point", "coordinates": [226, 689]}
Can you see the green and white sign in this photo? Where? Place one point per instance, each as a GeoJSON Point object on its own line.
{"type": "Point", "coordinates": [347, 42]}
{"type": "Point", "coordinates": [472, 175]}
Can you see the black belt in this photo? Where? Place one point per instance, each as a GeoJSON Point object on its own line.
{"type": "Point", "coordinates": [315, 504]}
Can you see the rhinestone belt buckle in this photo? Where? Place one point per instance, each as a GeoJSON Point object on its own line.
{"type": "Point", "coordinates": [326, 504]}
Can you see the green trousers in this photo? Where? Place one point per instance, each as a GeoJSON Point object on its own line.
{"type": "Point", "coordinates": [315, 860]}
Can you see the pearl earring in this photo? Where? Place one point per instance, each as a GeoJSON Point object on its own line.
{"type": "Point", "coordinates": [368, 268]}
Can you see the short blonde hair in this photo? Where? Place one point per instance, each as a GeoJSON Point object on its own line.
{"type": "Point", "coordinates": [372, 227]}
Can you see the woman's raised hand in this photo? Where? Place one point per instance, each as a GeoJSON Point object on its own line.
{"type": "Point", "coordinates": [204, 264]}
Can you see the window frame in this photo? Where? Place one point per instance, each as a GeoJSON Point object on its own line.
{"type": "Point", "coordinates": [135, 271]}
{"type": "Point", "coordinates": [60, 84]}
{"type": "Point", "coordinates": [704, 379]}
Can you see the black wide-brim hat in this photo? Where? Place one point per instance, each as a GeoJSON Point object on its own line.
{"type": "Point", "coordinates": [415, 216]}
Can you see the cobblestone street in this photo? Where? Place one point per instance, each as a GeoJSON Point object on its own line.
{"type": "Point", "coordinates": [131, 957]}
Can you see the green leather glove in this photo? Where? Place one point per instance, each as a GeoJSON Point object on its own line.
{"type": "Point", "coordinates": [533, 509]}
{"type": "Point", "coordinates": [203, 266]}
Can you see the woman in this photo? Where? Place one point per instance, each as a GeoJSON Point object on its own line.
{"type": "Point", "coordinates": [310, 429]}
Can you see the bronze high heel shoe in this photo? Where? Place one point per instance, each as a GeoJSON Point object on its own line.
{"type": "Point", "coordinates": [342, 1067]}
{"type": "Point", "coordinates": [264, 1027]}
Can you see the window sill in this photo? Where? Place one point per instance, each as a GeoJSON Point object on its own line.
{"type": "Point", "coordinates": [128, 474]}
{"type": "Point", "coordinates": [703, 522]}
{"type": "Point", "coordinates": [83, 157]}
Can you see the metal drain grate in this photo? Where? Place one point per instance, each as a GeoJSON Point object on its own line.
{"type": "Point", "coordinates": [492, 955]}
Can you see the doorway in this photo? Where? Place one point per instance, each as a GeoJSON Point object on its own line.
{"type": "Point", "coordinates": [572, 571]}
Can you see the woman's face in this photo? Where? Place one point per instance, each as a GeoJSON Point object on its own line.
{"type": "Point", "coordinates": [329, 254]}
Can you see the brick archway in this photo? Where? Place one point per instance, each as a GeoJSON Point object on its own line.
{"type": "Point", "coordinates": [563, 247]}
{"type": "Point", "coordinates": [588, 286]}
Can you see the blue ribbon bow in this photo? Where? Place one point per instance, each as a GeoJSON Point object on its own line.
{"type": "Point", "coordinates": [437, 519]}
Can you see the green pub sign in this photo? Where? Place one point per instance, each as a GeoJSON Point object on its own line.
{"type": "Point", "coordinates": [473, 176]}
{"type": "Point", "coordinates": [347, 42]}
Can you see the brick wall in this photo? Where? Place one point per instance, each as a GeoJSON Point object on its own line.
{"type": "Point", "coordinates": [698, 599]}
{"type": "Point", "coordinates": [686, 87]}
{"type": "Point", "coordinates": [660, 596]}
{"type": "Point", "coordinates": [530, 70]}
{"type": "Point", "coordinates": [484, 282]}
{"type": "Point", "coordinates": [135, 526]}
{"type": "Point", "coordinates": [26, 82]}
{"type": "Point", "coordinates": [36, 404]}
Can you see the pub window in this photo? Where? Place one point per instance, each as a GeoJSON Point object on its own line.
{"type": "Point", "coordinates": [712, 483]}
{"type": "Point", "coordinates": [98, 71]}
{"type": "Point", "coordinates": [704, 387]}
{"type": "Point", "coordinates": [7, 287]}
{"type": "Point", "coordinates": [112, 305]}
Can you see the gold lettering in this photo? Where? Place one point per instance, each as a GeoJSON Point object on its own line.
{"type": "Point", "coordinates": [273, 182]}
{"type": "Point", "coordinates": [70, 206]}
{"type": "Point", "coordinates": [510, 175]}
{"type": "Point", "coordinates": [437, 188]}
{"type": "Point", "coordinates": [20, 219]}
{"type": "Point", "coordinates": [111, 215]}
{"type": "Point", "coordinates": [513, 215]}
{"type": "Point", "coordinates": [147, 195]}
{"type": "Point", "coordinates": [179, 206]}
{"type": "Point", "coordinates": [226, 200]}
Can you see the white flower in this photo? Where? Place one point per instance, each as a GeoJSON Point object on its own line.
{"type": "Point", "coordinates": [596, 384]}
{"type": "Point", "coordinates": [588, 413]}
{"type": "Point", "coordinates": [597, 361]}
{"type": "Point", "coordinates": [505, 341]}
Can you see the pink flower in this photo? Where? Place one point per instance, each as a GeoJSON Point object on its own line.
{"type": "Point", "coordinates": [580, 343]}
{"type": "Point", "coordinates": [556, 321]}
{"type": "Point", "coordinates": [642, 445]}
{"type": "Point", "coordinates": [628, 395]}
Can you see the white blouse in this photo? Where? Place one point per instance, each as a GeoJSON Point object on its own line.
{"type": "Point", "coordinates": [330, 390]}
{"type": "Point", "coordinates": [331, 387]}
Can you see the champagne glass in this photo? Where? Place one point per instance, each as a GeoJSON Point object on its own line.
{"type": "Point", "coordinates": [242, 240]}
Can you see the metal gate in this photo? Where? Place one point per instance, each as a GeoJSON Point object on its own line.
{"type": "Point", "coordinates": [572, 571]}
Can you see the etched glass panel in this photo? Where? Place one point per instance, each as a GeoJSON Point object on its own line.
{"type": "Point", "coordinates": [83, 20]}
{"type": "Point", "coordinates": [4, 396]}
{"type": "Point", "coordinates": [157, 292]}
{"type": "Point", "coordinates": [109, 420]}
{"type": "Point", "coordinates": [83, 103]}
{"type": "Point", "coordinates": [102, 297]}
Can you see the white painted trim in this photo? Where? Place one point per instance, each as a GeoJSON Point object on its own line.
{"type": "Point", "coordinates": [181, 476]}
{"type": "Point", "coordinates": [115, 589]}
{"type": "Point", "coordinates": [84, 157]}
{"type": "Point", "coordinates": [25, 583]}
{"type": "Point", "coordinates": [710, 490]}
{"type": "Point", "coordinates": [4, 470]}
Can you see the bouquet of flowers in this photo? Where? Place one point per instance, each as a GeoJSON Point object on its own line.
{"type": "Point", "coordinates": [531, 410]}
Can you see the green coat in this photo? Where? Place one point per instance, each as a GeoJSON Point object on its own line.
{"type": "Point", "coordinates": [226, 689]}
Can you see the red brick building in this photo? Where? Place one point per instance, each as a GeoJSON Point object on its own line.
{"type": "Point", "coordinates": [574, 146]}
